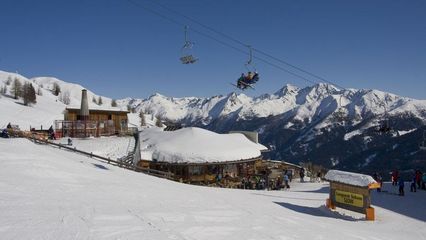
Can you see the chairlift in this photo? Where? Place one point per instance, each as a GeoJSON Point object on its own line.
{"type": "Point", "coordinates": [248, 80]}
{"type": "Point", "coordinates": [384, 126]}
{"type": "Point", "coordinates": [187, 55]}
{"type": "Point", "coordinates": [423, 144]}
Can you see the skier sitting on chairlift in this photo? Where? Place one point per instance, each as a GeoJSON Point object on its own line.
{"type": "Point", "coordinates": [246, 81]}
{"type": "Point", "coordinates": [252, 78]}
{"type": "Point", "coordinates": [242, 82]}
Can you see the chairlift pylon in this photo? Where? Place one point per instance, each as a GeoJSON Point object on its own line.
{"type": "Point", "coordinates": [423, 144]}
{"type": "Point", "coordinates": [384, 126]}
{"type": "Point", "coordinates": [187, 55]}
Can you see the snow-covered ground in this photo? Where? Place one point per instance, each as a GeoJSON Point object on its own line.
{"type": "Point", "coordinates": [111, 147]}
{"type": "Point", "coordinates": [47, 193]}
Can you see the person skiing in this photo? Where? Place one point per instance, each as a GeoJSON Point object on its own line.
{"type": "Point", "coordinates": [401, 186]}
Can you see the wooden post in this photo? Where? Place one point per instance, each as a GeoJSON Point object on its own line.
{"type": "Point", "coordinates": [369, 214]}
{"type": "Point", "coordinates": [329, 204]}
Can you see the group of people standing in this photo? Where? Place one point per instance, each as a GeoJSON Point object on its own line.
{"type": "Point", "coordinates": [417, 181]}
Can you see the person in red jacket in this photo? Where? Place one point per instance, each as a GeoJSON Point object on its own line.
{"type": "Point", "coordinates": [418, 177]}
{"type": "Point", "coordinates": [395, 176]}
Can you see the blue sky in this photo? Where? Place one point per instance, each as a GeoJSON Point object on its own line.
{"type": "Point", "coordinates": [118, 49]}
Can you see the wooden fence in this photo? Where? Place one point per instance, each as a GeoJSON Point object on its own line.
{"type": "Point", "coordinates": [123, 162]}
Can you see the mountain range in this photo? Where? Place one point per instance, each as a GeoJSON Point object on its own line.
{"type": "Point", "coordinates": [322, 124]}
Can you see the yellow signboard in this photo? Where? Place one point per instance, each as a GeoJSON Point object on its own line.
{"type": "Point", "coordinates": [353, 199]}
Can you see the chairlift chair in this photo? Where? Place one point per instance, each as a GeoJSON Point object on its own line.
{"type": "Point", "coordinates": [252, 76]}
{"type": "Point", "coordinates": [187, 56]}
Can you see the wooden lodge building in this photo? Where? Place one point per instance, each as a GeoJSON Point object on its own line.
{"type": "Point", "coordinates": [85, 122]}
{"type": "Point", "coordinates": [243, 173]}
{"type": "Point", "coordinates": [229, 174]}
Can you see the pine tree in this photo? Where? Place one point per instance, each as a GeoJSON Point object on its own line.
{"type": "Point", "coordinates": [94, 100]}
{"type": "Point", "coordinates": [114, 103]}
{"type": "Point", "coordinates": [56, 89]}
{"type": "Point", "coordinates": [32, 94]}
{"type": "Point", "coordinates": [28, 94]}
{"type": "Point", "coordinates": [16, 88]}
{"type": "Point", "coordinates": [129, 108]}
{"type": "Point", "coordinates": [142, 116]}
{"type": "Point", "coordinates": [158, 122]}
{"type": "Point", "coordinates": [25, 94]}
{"type": "Point", "coordinates": [100, 102]}
{"type": "Point", "coordinates": [3, 90]}
{"type": "Point", "coordinates": [65, 97]}
{"type": "Point", "coordinates": [9, 80]}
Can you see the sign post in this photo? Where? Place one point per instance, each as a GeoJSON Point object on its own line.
{"type": "Point", "coordinates": [351, 191]}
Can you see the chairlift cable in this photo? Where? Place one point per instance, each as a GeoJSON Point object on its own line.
{"type": "Point", "coordinates": [298, 68]}
{"type": "Point", "coordinates": [244, 44]}
{"type": "Point", "coordinates": [220, 41]}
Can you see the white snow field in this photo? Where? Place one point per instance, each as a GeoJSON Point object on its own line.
{"type": "Point", "coordinates": [47, 193]}
{"type": "Point", "coordinates": [110, 147]}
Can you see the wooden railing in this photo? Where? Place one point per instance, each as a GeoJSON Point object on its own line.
{"type": "Point", "coordinates": [123, 163]}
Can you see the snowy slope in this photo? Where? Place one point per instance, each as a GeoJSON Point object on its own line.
{"type": "Point", "coordinates": [110, 147]}
{"type": "Point", "coordinates": [47, 193]}
{"type": "Point", "coordinates": [48, 107]}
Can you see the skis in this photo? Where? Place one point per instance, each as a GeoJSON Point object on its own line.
{"type": "Point", "coordinates": [245, 85]}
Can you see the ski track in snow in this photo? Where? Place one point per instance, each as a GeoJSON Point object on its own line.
{"type": "Point", "coordinates": [47, 193]}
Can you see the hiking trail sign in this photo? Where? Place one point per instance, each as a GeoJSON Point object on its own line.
{"type": "Point", "coordinates": [351, 191]}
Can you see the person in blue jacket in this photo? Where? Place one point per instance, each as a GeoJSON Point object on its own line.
{"type": "Point", "coordinates": [401, 186]}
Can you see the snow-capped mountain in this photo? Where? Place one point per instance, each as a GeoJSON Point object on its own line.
{"type": "Point", "coordinates": [320, 123]}
{"type": "Point", "coordinates": [321, 101]}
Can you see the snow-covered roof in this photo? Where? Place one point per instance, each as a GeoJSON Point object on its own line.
{"type": "Point", "coordinates": [196, 145]}
{"type": "Point", "coordinates": [355, 179]}
{"type": "Point", "coordinates": [283, 162]}
{"type": "Point", "coordinates": [99, 108]}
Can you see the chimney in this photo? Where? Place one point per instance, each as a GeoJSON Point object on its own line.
{"type": "Point", "coordinates": [84, 109]}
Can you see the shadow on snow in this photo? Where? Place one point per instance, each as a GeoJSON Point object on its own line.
{"type": "Point", "coordinates": [411, 205]}
{"type": "Point", "coordinates": [100, 166]}
{"type": "Point", "coordinates": [321, 211]}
